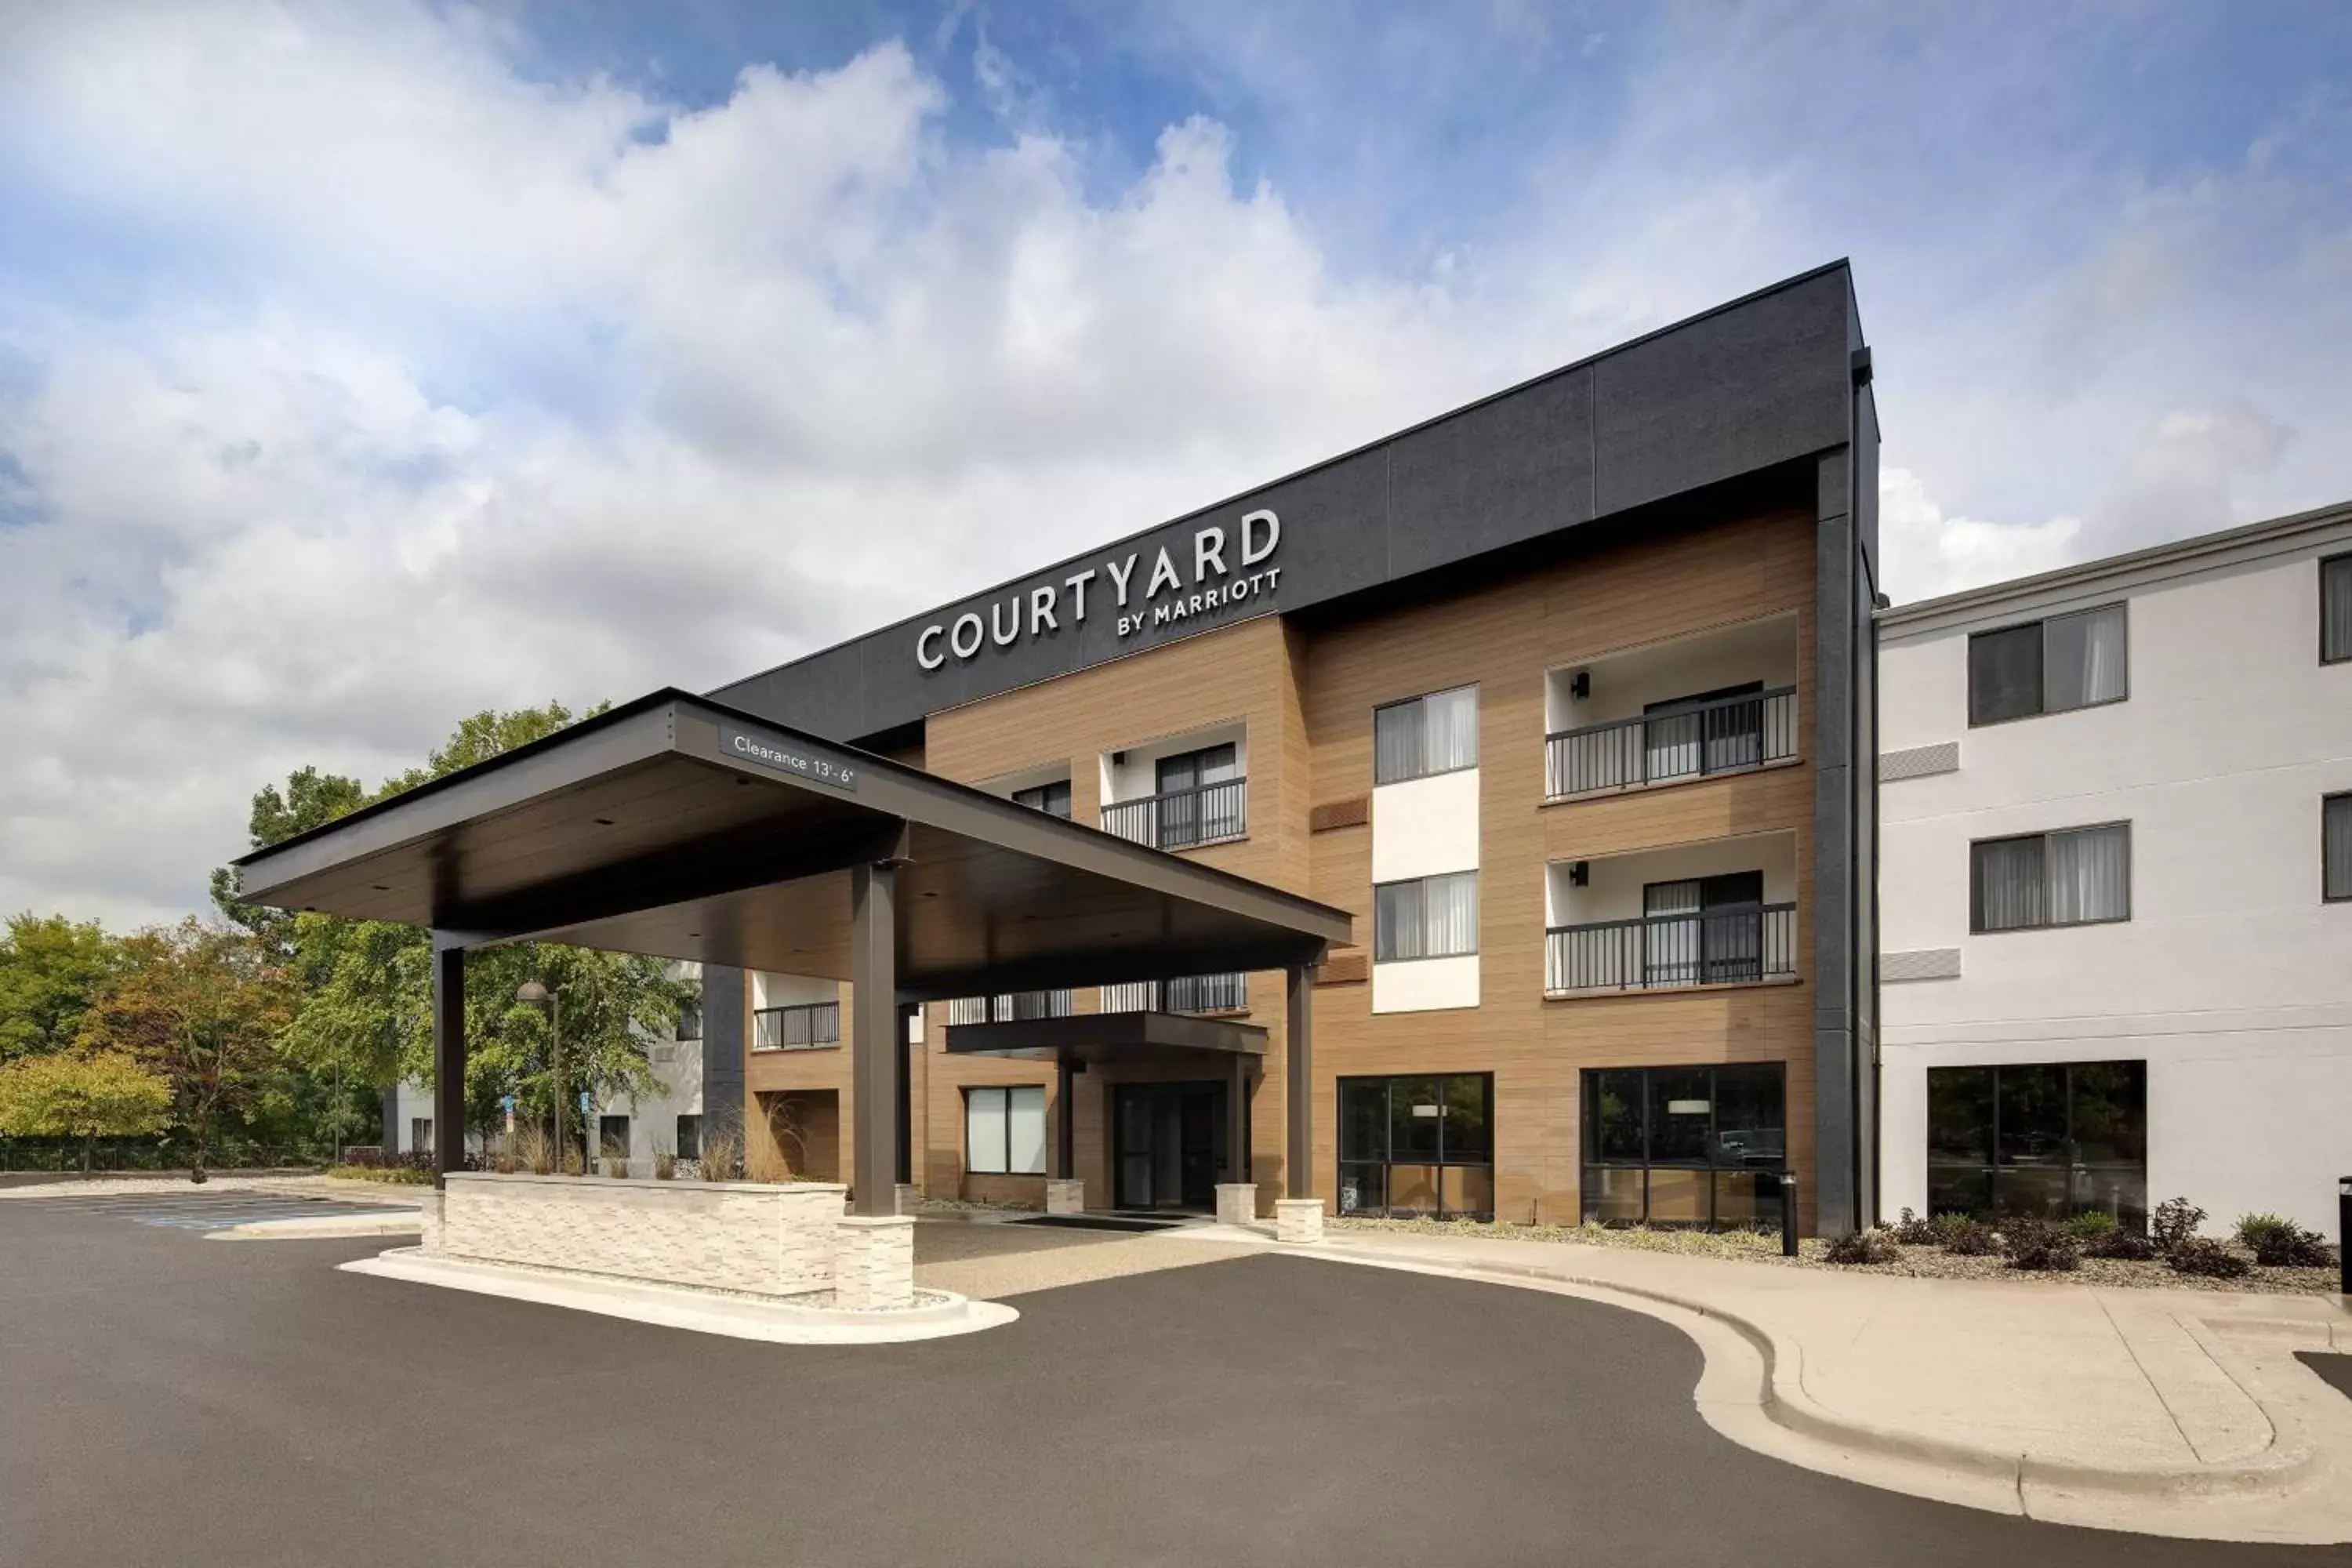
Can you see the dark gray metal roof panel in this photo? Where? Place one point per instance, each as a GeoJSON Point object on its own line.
{"type": "Point", "coordinates": [1744, 388]}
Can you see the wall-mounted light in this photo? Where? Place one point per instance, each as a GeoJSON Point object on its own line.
{"type": "Point", "coordinates": [1579, 873]}
{"type": "Point", "coordinates": [1579, 685]}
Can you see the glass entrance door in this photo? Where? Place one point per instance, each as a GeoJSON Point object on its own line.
{"type": "Point", "coordinates": [1168, 1140]}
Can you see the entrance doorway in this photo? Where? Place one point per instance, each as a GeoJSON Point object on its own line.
{"type": "Point", "coordinates": [1171, 1145]}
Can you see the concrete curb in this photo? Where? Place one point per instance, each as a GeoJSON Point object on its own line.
{"type": "Point", "coordinates": [1781, 1399]}
{"type": "Point", "coordinates": [321, 1228]}
{"type": "Point", "coordinates": [700, 1311]}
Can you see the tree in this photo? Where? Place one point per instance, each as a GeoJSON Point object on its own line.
{"type": "Point", "coordinates": [49, 970]}
{"type": "Point", "coordinates": [364, 1017]}
{"type": "Point", "coordinates": [71, 1095]}
{"type": "Point", "coordinates": [205, 1007]}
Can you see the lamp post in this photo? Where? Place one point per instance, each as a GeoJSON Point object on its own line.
{"type": "Point", "coordinates": [532, 994]}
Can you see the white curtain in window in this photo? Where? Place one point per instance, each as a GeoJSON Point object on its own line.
{"type": "Point", "coordinates": [1450, 914]}
{"type": "Point", "coordinates": [1025, 1136]}
{"type": "Point", "coordinates": [1397, 930]}
{"type": "Point", "coordinates": [2010, 885]}
{"type": "Point", "coordinates": [2090, 874]}
{"type": "Point", "coordinates": [2083, 658]}
{"type": "Point", "coordinates": [1397, 743]}
{"type": "Point", "coordinates": [984, 1131]}
{"type": "Point", "coordinates": [1452, 731]}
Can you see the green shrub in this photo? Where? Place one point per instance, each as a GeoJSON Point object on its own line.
{"type": "Point", "coordinates": [395, 1176]}
{"type": "Point", "coordinates": [2120, 1245]}
{"type": "Point", "coordinates": [2278, 1242]}
{"type": "Point", "coordinates": [1965, 1237]}
{"type": "Point", "coordinates": [2039, 1245]}
{"type": "Point", "coordinates": [2093, 1224]}
{"type": "Point", "coordinates": [1863, 1247]}
{"type": "Point", "coordinates": [2197, 1255]}
{"type": "Point", "coordinates": [1913, 1231]}
{"type": "Point", "coordinates": [2175, 1221]}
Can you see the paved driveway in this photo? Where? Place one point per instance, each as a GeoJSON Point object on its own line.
{"type": "Point", "coordinates": [167, 1399]}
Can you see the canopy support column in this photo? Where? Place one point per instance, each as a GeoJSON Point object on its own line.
{"type": "Point", "coordinates": [1066, 1116]}
{"type": "Point", "coordinates": [448, 1058]}
{"type": "Point", "coordinates": [877, 1059]}
{"type": "Point", "coordinates": [1298, 1083]}
{"type": "Point", "coordinates": [1237, 1120]}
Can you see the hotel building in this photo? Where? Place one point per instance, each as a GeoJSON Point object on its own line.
{"type": "Point", "coordinates": [1565, 696]}
{"type": "Point", "coordinates": [2117, 872]}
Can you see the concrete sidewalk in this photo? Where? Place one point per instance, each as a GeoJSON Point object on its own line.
{"type": "Point", "coordinates": [2170, 1412]}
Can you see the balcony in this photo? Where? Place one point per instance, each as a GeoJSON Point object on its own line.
{"type": "Point", "coordinates": [1012, 1006]}
{"type": "Point", "coordinates": [1730, 734]}
{"type": "Point", "coordinates": [1659, 953]}
{"type": "Point", "coordinates": [803, 1026]}
{"type": "Point", "coordinates": [1192, 993]}
{"type": "Point", "coordinates": [1182, 818]}
{"type": "Point", "coordinates": [1718, 913]}
{"type": "Point", "coordinates": [1720, 702]}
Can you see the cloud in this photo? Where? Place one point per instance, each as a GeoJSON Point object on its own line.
{"type": "Point", "coordinates": [316, 499]}
{"type": "Point", "coordinates": [1928, 552]}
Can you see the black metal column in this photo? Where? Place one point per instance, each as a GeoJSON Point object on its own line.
{"type": "Point", "coordinates": [1299, 1084]}
{"type": "Point", "coordinates": [1065, 1116]}
{"type": "Point", "coordinates": [906, 1095]}
{"type": "Point", "coordinates": [448, 1058]}
{"type": "Point", "coordinates": [1237, 1120]}
{"type": "Point", "coordinates": [877, 1059]}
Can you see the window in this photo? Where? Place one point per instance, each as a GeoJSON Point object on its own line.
{"type": "Point", "coordinates": [1434, 917]}
{"type": "Point", "coordinates": [613, 1137]}
{"type": "Point", "coordinates": [2048, 667]}
{"type": "Point", "coordinates": [1705, 931]}
{"type": "Point", "coordinates": [689, 1138]}
{"type": "Point", "coordinates": [2336, 846]}
{"type": "Point", "coordinates": [1053, 799]}
{"type": "Point", "coordinates": [2336, 610]}
{"type": "Point", "coordinates": [2048, 1140]}
{"type": "Point", "coordinates": [2078, 877]}
{"type": "Point", "coordinates": [1200, 797]}
{"type": "Point", "coordinates": [420, 1134]}
{"type": "Point", "coordinates": [1004, 1131]}
{"type": "Point", "coordinates": [1698, 1146]}
{"type": "Point", "coordinates": [689, 1019]}
{"type": "Point", "coordinates": [1431, 734]}
{"type": "Point", "coordinates": [1418, 1146]}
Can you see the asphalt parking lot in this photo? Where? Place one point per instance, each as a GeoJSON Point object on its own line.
{"type": "Point", "coordinates": [166, 1399]}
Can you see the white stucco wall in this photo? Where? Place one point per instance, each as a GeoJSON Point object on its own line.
{"type": "Point", "coordinates": [1131, 773]}
{"type": "Point", "coordinates": [2232, 979]}
{"type": "Point", "coordinates": [1426, 826]}
{"type": "Point", "coordinates": [1624, 684]}
{"type": "Point", "coordinates": [1426, 985]}
{"type": "Point", "coordinates": [1612, 889]}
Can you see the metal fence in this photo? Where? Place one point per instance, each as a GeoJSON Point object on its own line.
{"type": "Point", "coordinates": [802, 1026]}
{"type": "Point", "coordinates": [1726, 947]}
{"type": "Point", "coordinates": [1722, 736]}
{"type": "Point", "coordinates": [1206, 813]}
{"type": "Point", "coordinates": [1192, 993]}
{"type": "Point", "coordinates": [1012, 1006]}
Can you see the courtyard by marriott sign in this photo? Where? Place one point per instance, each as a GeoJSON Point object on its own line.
{"type": "Point", "coordinates": [1165, 597]}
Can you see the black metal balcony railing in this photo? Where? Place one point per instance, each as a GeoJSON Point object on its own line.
{"type": "Point", "coordinates": [1192, 993]}
{"type": "Point", "coordinates": [1012, 1006]}
{"type": "Point", "coordinates": [1205, 813]}
{"type": "Point", "coordinates": [804, 1026]}
{"type": "Point", "coordinates": [1723, 736]}
{"type": "Point", "coordinates": [1724, 947]}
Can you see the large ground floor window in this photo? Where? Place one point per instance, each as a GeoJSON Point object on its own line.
{"type": "Point", "coordinates": [1418, 1146]}
{"type": "Point", "coordinates": [1696, 1146]}
{"type": "Point", "coordinates": [1004, 1131]}
{"type": "Point", "coordinates": [2049, 1139]}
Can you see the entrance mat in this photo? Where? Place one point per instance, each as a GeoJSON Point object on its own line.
{"type": "Point", "coordinates": [1098, 1222]}
{"type": "Point", "coordinates": [2335, 1366]}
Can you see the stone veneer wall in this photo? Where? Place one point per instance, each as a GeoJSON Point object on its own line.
{"type": "Point", "coordinates": [727, 1236]}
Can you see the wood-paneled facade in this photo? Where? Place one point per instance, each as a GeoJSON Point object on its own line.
{"type": "Point", "coordinates": [1303, 690]}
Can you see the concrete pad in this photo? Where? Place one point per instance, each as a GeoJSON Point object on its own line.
{"type": "Point", "coordinates": [700, 1311]}
{"type": "Point", "coordinates": [323, 1228]}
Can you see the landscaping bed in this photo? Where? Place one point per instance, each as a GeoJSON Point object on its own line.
{"type": "Point", "coordinates": [1917, 1260]}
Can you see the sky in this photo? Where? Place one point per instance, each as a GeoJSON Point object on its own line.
{"type": "Point", "coordinates": [365, 365]}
